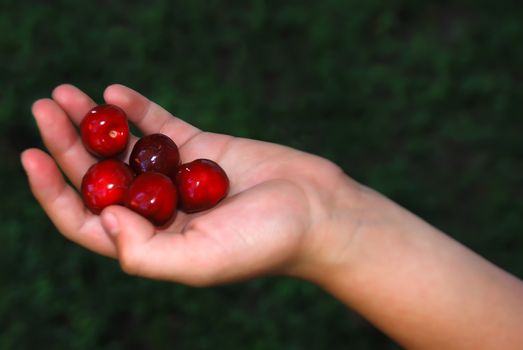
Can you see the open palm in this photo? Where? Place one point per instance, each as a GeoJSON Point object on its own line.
{"type": "Point", "coordinates": [277, 204]}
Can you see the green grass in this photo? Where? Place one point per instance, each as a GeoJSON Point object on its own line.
{"type": "Point", "coordinates": [419, 100]}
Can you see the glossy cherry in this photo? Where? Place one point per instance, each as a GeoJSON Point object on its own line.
{"type": "Point", "coordinates": [105, 131]}
{"type": "Point", "coordinates": [201, 185]}
{"type": "Point", "coordinates": [155, 152]}
{"type": "Point", "coordinates": [153, 195]}
{"type": "Point", "coordinates": [106, 183]}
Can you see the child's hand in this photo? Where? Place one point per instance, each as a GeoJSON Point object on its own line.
{"type": "Point", "coordinates": [279, 202]}
{"type": "Point", "coordinates": [287, 212]}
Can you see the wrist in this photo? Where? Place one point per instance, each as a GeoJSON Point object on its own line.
{"type": "Point", "coordinates": [353, 228]}
{"type": "Point", "coordinates": [339, 216]}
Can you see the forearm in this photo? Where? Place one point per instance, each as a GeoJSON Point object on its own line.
{"type": "Point", "coordinates": [421, 287]}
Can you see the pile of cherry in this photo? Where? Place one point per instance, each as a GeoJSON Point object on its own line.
{"type": "Point", "coordinates": [154, 184]}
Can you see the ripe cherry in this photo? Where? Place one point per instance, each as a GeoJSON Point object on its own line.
{"type": "Point", "coordinates": [155, 152]}
{"type": "Point", "coordinates": [153, 195]}
{"type": "Point", "coordinates": [105, 131]}
{"type": "Point", "coordinates": [106, 183]}
{"type": "Point", "coordinates": [201, 184]}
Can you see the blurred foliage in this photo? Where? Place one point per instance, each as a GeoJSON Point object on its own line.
{"type": "Point", "coordinates": [420, 100]}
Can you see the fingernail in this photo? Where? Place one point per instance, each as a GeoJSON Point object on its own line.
{"type": "Point", "coordinates": [110, 224]}
{"type": "Point", "coordinates": [24, 161]}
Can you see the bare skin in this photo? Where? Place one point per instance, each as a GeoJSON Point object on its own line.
{"type": "Point", "coordinates": [287, 213]}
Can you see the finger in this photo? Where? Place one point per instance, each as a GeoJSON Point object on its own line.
{"type": "Point", "coordinates": [130, 232]}
{"type": "Point", "coordinates": [148, 116]}
{"type": "Point", "coordinates": [145, 252]}
{"type": "Point", "coordinates": [63, 205]}
{"type": "Point", "coordinates": [62, 140]}
{"type": "Point", "coordinates": [73, 101]}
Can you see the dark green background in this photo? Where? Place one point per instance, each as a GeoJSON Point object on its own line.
{"type": "Point", "coordinates": [420, 100]}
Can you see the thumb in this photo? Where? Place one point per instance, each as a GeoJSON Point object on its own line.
{"type": "Point", "coordinates": [130, 232]}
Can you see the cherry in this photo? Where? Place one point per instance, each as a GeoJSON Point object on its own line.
{"type": "Point", "coordinates": [106, 183]}
{"type": "Point", "coordinates": [155, 152]}
{"type": "Point", "coordinates": [105, 131]}
{"type": "Point", "coordinates": [153, 195]}
{"type": "Point", "coordinates": [201, 184]}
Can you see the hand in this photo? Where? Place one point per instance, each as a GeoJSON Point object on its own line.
{"type": "Point", "coordinates": [276, 219]}
{"type": "Point", "coordinates": [287, 212]}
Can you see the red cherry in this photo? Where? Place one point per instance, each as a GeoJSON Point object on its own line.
{"type": "Point", "coordinates": [153, 195]}
{"type": "Point", "coordinates": [155, 152]}
{"type": "Point", "coordinates": [105, 131]}
{"type": "Point", "coordinates": [201, 184]}
{"type": "Point", "coordinates": [106, 183]}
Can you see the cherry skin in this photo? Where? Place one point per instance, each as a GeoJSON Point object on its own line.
{"type": "Point", "coordinates": [106, 183]}
{"type": "Point", "coordinates": [155, 152]}
{"type": "Point", "coordinates": [201, 185]}
{"type": "Point", "coordinates": [153, 195]}
{"type": "Point", "coordinates": [105, 131]}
